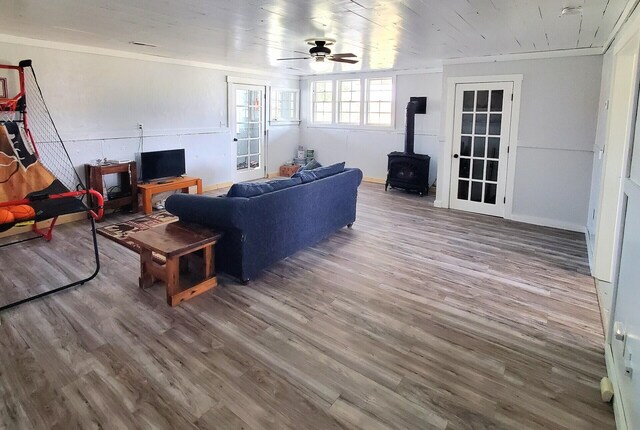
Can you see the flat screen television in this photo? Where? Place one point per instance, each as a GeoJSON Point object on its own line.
{"type": "Point", "coordinates": [162, 164]}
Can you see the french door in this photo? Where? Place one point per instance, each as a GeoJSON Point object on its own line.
{"type": "Point", "coordinates": [482, 124]}
{"type": "Point", "coordinates": [248, 130]}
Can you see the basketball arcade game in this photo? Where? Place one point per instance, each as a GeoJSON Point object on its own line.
{"type": "Point", "coordinates": [37, 179]}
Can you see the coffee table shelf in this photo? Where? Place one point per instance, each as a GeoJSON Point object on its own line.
{"type": "Point", "coordinates": [179, 243]}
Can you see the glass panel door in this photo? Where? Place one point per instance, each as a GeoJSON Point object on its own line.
{"type": "Point", "coordinates": [481, 140]}
{"type": "Point", "coordinates": [248, 125]}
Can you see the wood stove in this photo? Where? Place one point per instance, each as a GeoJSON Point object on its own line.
{"type": "Point", "coordinates": [406, 169]}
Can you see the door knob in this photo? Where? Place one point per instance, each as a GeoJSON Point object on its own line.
{"type": "Point", "coordinates": [455, 155]}
{"type": "Point", "coordinates": [618, 331]}
{"type": "Point", "coordinates": [235, 139]}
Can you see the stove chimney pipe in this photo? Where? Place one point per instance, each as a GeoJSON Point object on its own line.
{"type": "Point", "coordinates": [415, 105]}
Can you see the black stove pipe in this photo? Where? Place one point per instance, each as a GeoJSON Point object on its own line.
{"type": "Point", "coordinates": [410, 127]}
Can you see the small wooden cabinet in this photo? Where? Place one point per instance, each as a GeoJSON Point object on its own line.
{"type": "Point", "coordinates": [128, 175]}
{"type": "Point", "coordinates": [288, 170]}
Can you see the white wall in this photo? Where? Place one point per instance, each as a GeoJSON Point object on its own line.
{"type": "Point", "coordinates": [558, 118]}
{"type": "Point", "coordinates": [367, 148]}
{"type": "Point", "coordinates": [598, 149]}
{"type": "Point", "coordinates": [97, 101]}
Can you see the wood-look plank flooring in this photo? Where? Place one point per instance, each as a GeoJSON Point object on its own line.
{"type": "Point", "coordinates": [417, 318]}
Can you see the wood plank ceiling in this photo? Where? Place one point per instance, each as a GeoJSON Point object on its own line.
{"type": "Point", "coordinates": [385, 34]}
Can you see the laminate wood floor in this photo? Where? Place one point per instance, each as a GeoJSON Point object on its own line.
{"type": "Point", "coordinates": [417, 318]}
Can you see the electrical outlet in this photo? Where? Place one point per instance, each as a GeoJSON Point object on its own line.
{"type": "Point", "coordinates": [140, 126]}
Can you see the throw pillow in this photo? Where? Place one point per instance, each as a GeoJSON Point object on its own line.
{"type": "Point", "coordinates": [313, 164]}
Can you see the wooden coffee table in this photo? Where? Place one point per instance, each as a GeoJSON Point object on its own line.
{"type": "Point", "coordinates": [187, 272]}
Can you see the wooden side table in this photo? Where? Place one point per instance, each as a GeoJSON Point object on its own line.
{"type": "Point", "coordinates": [289, 170]}
{"type": "Point", "coordinates": [128, 173]}
{"type": "Point", "coordinates": [148, 190]}
{"type": "Point", "coordinates": [178, 243]}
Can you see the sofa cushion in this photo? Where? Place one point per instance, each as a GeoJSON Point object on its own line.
{"type": "Point", "coordinates": [323, 172]}
{"type": "Point", "coordinates": [249, 189]}
{"type": "Point", "coordinates": [305, 176]}
{"type": "Point", "coordinates": [280, 184]}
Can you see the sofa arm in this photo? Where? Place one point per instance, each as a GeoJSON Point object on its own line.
{"type": "Point", "coordinates": [220, 212]}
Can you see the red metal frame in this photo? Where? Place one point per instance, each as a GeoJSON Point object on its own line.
{"type": "Point", "coordinates": [10, 104]}
{"type": "Point", "coordinates": [48, 234]}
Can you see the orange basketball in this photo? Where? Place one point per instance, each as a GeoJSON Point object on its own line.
{"type": "Point", "coordinates": [6, 217]}
{"type": "Point", "coordinates": [22, 212]}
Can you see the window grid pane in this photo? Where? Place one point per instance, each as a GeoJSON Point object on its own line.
{"type": "Point", "coordinates": [322, 101]}
{"type": "Point", "coordinates": [379, 101]}
{"type": "Point", "coordinates": [349, 102]}
{"type": "Point", "coordinates": [283, 105]}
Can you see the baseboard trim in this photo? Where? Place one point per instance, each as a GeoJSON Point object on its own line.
{"type": "Point", "coordinates": [218, 186]}
{"type": "Point", "coordinates": [373, 180]}
{"type": "Point", "coordinates": [546, 222]}
{"type": "Point", "coordinates": [587, 237]}
{"type": "Point", "coordinates": [64, 219]}
{"type": "Point", "coordinates": [618, 409]}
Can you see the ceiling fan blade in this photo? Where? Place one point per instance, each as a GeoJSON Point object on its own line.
{"type": "Point", "coordinates": [300, 52]}
{"type": "Point", "coordinates": [343, 60]}
{"type": "Point", "coordinates": [349, 54]}
{"type": "Point", "coordinates": [293, 58]}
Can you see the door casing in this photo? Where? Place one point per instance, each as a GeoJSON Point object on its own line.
{"type": "Point", "coordinates": [496, 209]}
{"type": "Point", "coordinates": [444, 171]}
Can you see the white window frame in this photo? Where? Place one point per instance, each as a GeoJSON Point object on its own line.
{"type": "Point", "coordinates": [366, 102]}
{"type": "Point", "coordinates": [363, 83]}
{"type": "Point", "coordinates": [339, 101]}
{"type": "Point", "coordinates": [313, 102]}
{"type": "Point", "coordinates": [274, 106]}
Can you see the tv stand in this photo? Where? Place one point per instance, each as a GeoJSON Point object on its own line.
{"type": "Point", "coordinates": [155, 187]}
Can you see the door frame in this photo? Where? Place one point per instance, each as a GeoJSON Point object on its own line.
{"type": "Point", "coordinates": [232, 83]}
{"type": "Point", "coordinates": [443, 190]}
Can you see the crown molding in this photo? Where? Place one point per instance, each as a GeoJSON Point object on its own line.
{"type": "Point", "coordinates": [558, 53]}
{"type": "Point", "coordinates": [85, 49]}
{"type": "Point", "coordinates": [626, 15]}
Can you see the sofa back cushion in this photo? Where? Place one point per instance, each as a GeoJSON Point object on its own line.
{"type": "Point", "coordinates": [252, 189]}
{"type": "Point", "coordinates": [319, 173]}
{"type": "Point", "coordinates": [280, 184]}
{"type": "Point", "coordinates": [305, 176]}
{"type": "Point", "coordinates": [249, 189]}
{"type": "Point", "coordinates": [323, 172]}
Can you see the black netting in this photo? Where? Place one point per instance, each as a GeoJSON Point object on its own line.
{"type": "Point", "coordinates": [50, 148]}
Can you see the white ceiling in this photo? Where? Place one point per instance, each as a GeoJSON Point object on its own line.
{"type": "Point", "coordinates": [385, 34]}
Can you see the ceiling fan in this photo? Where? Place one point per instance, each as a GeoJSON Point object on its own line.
{"type": "Point", "coordinates": [321, 54]}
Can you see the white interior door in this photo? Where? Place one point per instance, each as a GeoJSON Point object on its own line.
{"type": "Point", "coordinates": [482, 124]}
{"type": "Point", "coordinates": [248, 130]}
{"type": "Point", "coordinates": [625, 345]}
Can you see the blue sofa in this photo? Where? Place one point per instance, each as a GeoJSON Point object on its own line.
{"type": "Point", "coordinates": [263, 229]}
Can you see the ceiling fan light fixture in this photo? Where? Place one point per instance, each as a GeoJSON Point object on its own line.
{"type": "Point", "coordinates": [571, 11]}
{"type": "Point", "coordinates": [320, 64]}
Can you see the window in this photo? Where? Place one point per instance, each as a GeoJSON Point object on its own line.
{"type": "Point", "coordinates": [349, 102]}
{"type": "Point", "coordinates": [285, 105]}
{"type": "Point", "coordinates": [357, 102]}
{"type": "Point", "coordinates": [379, 101]}
{"type": "Point", "coordinates": [322, 102]}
